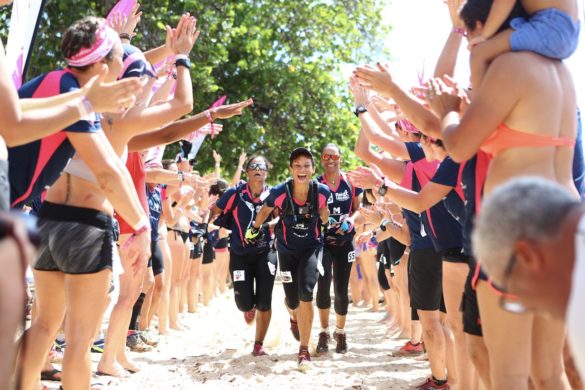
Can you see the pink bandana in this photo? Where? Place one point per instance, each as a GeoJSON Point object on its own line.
{"type": "Point", "coordinates": [407, 126]}
{"type": "Point", "coordinates": [105, 39]}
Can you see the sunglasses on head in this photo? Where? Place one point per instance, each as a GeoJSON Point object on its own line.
{"type": "Point", "coordinates": [257, 166]}
{"type": "Point", "coordinates": [333, 157]}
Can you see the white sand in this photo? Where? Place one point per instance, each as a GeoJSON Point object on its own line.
{"type": "Point", "coordinates": [215, 353]}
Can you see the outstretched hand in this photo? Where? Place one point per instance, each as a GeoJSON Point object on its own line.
{"type": "Point", "coordinates": [230, 110]}
{"type": "Point", "coordinates": [454, 9]}
{"type": "Point", "coordinates": [376, 78]}
{"type": "Point", "coordinates": [113, 97]}
{"type": "Point", "coordinates": [364, 177]}
{"type": "Point", "coordinates": [360, 94]}
{"type": "Point", "coordinates": [442, 98]}
{"type": "Point", "coordinates": [186, 35]}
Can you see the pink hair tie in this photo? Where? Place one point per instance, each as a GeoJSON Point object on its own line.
{"type": "Point", "coordinates": [407, 126]}
{"type": "Point", "coordinates": [106, 37]}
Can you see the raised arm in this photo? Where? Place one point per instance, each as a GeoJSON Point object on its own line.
{"type": "Point", "coordinates": [182, 128]}
{"type": "Point", "coordinates": [393, 169]}
{"type": "Point", "coordinates": [24, 121]}
{"type": "Point", "coordinates": [448, 58]}
{"type": "Point", "coordinates": [430, 195]}
{"type": "Point", "coordinates": [240, 167]}
{"type": "Point", "coordinates": [380, 80]}
{"type": "Point", "coordinates": [217, 159]}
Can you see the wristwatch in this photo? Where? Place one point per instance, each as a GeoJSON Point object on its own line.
{"type": "Point", "coordinates": [383, 224]}
{"type": "Point", "coordinates": [360, 110]}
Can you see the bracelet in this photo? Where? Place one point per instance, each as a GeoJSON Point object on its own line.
{"type": "Point", "coordinates": [210, 119]}
{"type": "Point", "coordinates": [84, 107]}
{"type": "Point", "coordinates": [125, 36]}
{"type": "Point", "coordinates": [459, 30]}
{"type": "Point", "coordinates": [145, 228]}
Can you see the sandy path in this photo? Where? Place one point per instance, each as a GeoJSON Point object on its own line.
{"type": "Point", "coordinates": [215, 353]}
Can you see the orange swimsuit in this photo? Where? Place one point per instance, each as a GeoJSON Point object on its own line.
{"type": "Point", "coordinates": [505, 138]}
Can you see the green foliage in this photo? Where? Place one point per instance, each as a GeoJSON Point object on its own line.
{"type": "Point", "coordinates": [285, 54]}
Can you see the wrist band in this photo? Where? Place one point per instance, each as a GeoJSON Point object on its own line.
{"type": "Point", "coordinates": [210, 119]}
{"type": "Point", "coordinates": [182, 57]}
{"type": "Point", "coordinates": [84, 107]}
{"type": "Point", "coordinates": [125, 36]}
{"type": "Point", "coordinates": [183, 62]}
{"type": "Point", "coordinates": [145, 227]}
{"type": "Point", "coordinates": [459, 30]}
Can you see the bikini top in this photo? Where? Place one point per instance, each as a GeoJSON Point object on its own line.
{"type": "Point", "coordinates": [77, 167]}
{"type": "Point", "coordinates": [505, 138]}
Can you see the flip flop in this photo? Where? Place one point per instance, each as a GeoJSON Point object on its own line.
{"type": "Point", "coordinates": [51, 375]}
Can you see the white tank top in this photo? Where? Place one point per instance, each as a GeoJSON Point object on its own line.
{"type": "Point", "coordinates": [77, 167]}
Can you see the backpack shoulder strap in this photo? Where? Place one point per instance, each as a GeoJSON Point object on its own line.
{"type": "Point", "coordinates": [315, 196]}
{"type": "Point", "coordinates": [289, 206]}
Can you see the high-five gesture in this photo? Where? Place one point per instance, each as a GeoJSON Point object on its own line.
{"type": "Point", "coordinates": [230, 110]}
{"type": "Point", "coordinates": [183, 40]}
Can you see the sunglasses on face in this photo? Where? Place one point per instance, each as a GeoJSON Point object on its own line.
{"type": "Point", "coordinates": [257, 166]}
{"type": "Point", "coordinates": [333, 157]}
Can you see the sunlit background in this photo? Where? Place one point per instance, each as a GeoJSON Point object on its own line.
{"type": "Point", "coordinates": [419, 30]}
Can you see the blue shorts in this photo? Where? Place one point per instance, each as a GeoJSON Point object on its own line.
{"type": "Point", "coordinates": [550, 32]}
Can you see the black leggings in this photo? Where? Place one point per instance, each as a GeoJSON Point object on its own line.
{"type": "Point", "coordinates": [247, 269]}
{"type": "Point", "coordinates": [299, 275]}
{"type": "Point", "coordinates": [340, 258]}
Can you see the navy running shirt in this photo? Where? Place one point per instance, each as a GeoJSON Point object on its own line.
{"type": "Point", "coordinates": [438, 223]}
{"type": "Point", "coordinates": [38, 164]}
{"type": "Point", "coordinates": [244, 208]}
{"type": "Point", "coordinates": [294, 233]}
{"type": "Point", "coordinates": [154, 210]}
{"type": "Point", "coordinates": [341, 206]}
{"type": "Point", "coordinates": [448, 175]}
{"type": "Point", "coordinates": [419, 239]}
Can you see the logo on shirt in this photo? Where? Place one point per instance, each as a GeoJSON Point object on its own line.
{"type": "Point", "coordinates": [336, 210]}
{"type": "Point", "coordinates": [342, 196]}
{"type": "Point", "coordinates": [330, 200]}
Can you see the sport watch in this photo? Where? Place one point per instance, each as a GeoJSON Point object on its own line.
{"type": "Point", "coordinates": [360, 110]}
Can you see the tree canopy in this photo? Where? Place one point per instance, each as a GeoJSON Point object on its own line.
{"type": "Point", "coordinates": [286, 55]}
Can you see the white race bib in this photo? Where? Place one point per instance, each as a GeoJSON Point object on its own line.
{"type": "Point", "coordinates": [239, 276]}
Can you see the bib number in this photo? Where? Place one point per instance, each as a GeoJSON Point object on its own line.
{"type": "Point", "coordinates": [351, 257]}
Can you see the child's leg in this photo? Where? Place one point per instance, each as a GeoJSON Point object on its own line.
{"type": "Point", "coordinates": [484, 53]}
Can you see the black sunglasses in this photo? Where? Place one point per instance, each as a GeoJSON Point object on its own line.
{"type": "Point", "coordinates": [257, 166]}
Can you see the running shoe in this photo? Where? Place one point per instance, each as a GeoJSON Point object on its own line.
{"type": "Point", "coordinates": [304, 362]}
{"type": "Point", "coordinates": [410, 349]}
{"type": "Point", "coordinates": [59, 345]}
{"type": "Point", "coordinates": [135, 344]}
{"type": "Point", "coordinates": [294, 328]}
{"type": "Point", "coordinates": [149, 338]}
{"type": "Point", "coordinates": [250, 316]}
{"type": "Point", "coordinates": [341, 346]}
{"type": "Point", "coordinates": [323, 344]}
{"type": "Point", "coordinates": [258, 349]}
{"type": "Point", "coordinates": [432, 384]}
{"type": "Point", "coordinates": [98, 346]}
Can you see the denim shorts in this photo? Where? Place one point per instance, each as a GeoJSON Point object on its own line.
{"type": "Point", "coordinates": [550, 32]}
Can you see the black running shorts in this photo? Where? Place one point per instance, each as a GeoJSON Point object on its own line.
{"type": "Point", "coordinates": [74, 240]}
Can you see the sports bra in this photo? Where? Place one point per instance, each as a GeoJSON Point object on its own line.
{"type": "Point", "coordinates": [505, 138]}
{"type": "Point", "coordinates": [77, 167]}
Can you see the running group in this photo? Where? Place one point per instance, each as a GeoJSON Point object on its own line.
{"type": "Point", "coordinates": [466, 216]}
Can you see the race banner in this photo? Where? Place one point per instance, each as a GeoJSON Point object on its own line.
{"type": "Point", "coordinates": [24, 24]}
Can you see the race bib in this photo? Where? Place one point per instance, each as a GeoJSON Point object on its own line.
{"type": "Point", "coordinates": [271, 268]}
{"type": "Point", "coordinates": [239, 276]}
{"type": "Point", "coordinates": [351, 257]}
{"type": "Point", "coordinates": [286, 277]}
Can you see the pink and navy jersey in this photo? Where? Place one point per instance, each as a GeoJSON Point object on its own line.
{"type": "Point", "coordinates": [38, 164]}
{"type": "Point", "coordinates": [298, 229]}
{"type": "Point", "coordinates": [244, 207]}
{"type": "Point", "coordinates": [438, 223]}
{"type": "Point", "coordinates": [419, 239]}
{"type": "Point", "coordinates": [449, 174]}
{"type": "Point", "coordinates": [341, 207]}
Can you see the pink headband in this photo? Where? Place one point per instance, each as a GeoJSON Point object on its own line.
{"type": "Point", "coordinates": [105, 39]}
{"type": "Point", "coordinates": [407, 126]}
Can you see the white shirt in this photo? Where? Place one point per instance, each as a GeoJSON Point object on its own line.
{"type": "Point", "coordinates": [575, 309]}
